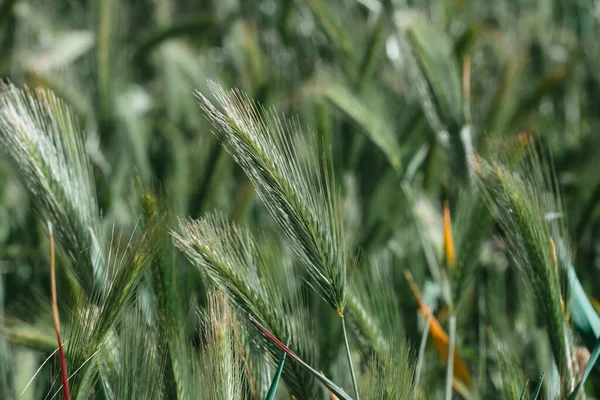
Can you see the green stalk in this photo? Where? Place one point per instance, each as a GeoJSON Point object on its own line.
{"type": "Point", "coordinates": [481, 328]}
{"type": "Point", "coordinates": [421, 358]}
{"type": "Point", "coordinates": [350, 358]}
{"type": "Point", "coordinates": [451, 345]}
{"type": "Point", "coordinates": [103, 56]}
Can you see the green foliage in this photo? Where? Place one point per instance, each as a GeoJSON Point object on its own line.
{"type": "Point", "coordinates": [344, 136]}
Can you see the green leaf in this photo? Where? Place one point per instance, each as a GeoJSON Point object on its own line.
{"type": "Point", "coordinates": [331, 27]}
{"type": "Point", "coordinates": [524, 390]}
{"type": "Point", "coordinates": [433, 50]}
{"type": "Point", "coordinates": [538, 388]}
{"type": "Point", "coordinates": [275, 382]}
{"type": "Point", "coordinates": [370, 120]}
{"type": "Point", "coordinates": [585, 318]}
{"type": "Point", "coordinates": [588, 369]}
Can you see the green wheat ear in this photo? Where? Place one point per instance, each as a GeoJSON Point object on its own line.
{"type": "Point", "coordinates": [221, 374]}
{"type": "Point", "coordinates": [255, 283]}
{"type": "Point", "coordinates": [42, 140]}
{"type": "Point", "coordinates": [296, 188]}
{"type": "Point", "coordinates": [521, 191]}
{"type": "Point", "coordinates": [390, 376]}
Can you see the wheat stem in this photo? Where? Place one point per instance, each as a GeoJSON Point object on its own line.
{"type": "Point", "coordinates": [61, 353]}
{"type": "Point", "coordinates": [349, 358]}
{"type": "Point", "coordinates": [451, 345]}
{"type": "Point", "coordinates": [421, 357]}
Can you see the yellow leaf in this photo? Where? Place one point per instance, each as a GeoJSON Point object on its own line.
{"type": "Point", "coordinates": [441, 341]}
{"type": "Point", "coordinates": [448, 241]}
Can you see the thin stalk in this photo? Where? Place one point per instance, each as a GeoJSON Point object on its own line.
{"type": "Point", "coordinates": [524, 390]}
{"type": "Point", "coordinates": [4, 368]}
{"type": "Point", "coordinates": [481, 327]}
{"type": "Point", "coordinates": [421, 358]}
{"type": "Point", "coordinates": [350, 358]}
{"type": "Point", "coordinates": [103, 56]}
{"type": "Point", "coordinates": [61, 353]}
{"type": "Point", "coordinates": [451, 345]}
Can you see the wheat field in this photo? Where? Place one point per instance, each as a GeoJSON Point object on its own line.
{"type": "Point", "coordinates": [299, 199]}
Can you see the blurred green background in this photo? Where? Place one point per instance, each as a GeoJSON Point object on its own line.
{"type": "Point", "coordinates": [388, 86]}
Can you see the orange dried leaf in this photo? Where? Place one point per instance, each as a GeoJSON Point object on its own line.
{"type": "Point", "coordinates": [448, 241]}
{"type": "Point", "coordinates": [440, 339]}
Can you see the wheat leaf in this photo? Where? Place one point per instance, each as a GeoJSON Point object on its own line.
{"type": "Point", "coordinates": [273, 388]}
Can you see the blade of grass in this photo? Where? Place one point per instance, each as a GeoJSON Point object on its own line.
{"type": "Point", "coordinates": [331, 28]}
{"type": "Point", "coordinates": [373, 48]}
{"type": "Point", "coordinates": [524, 390]}
{"type": "Point", "coordinates": [273, 388]}
{"type": "Point", "coordinates": [61, 353]}
{"type": "Point", "coordinates": [538, 388]}
{"type": "Point", "coordinates": [451, 346]}
{"type": "Point", "coordinates": [585, 318]}
{"type": "Point", "coordinates": [349, 356]}
{"type": "Point", "coordinates": [328, 383]}
{"type": "Point", "coordinates": [369, 118]}
{"type": "Point", "coordinates": [421, 356]}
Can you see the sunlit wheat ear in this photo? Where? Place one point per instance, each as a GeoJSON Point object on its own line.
{"type": "Point", "coordinates": [294, 185]}
{"type": "Point", "coordinates": [41, 139]}
{"type": "Point", "coordinates": [228, 256]}
{"type": "Point", "coordinates": [521, 192]}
